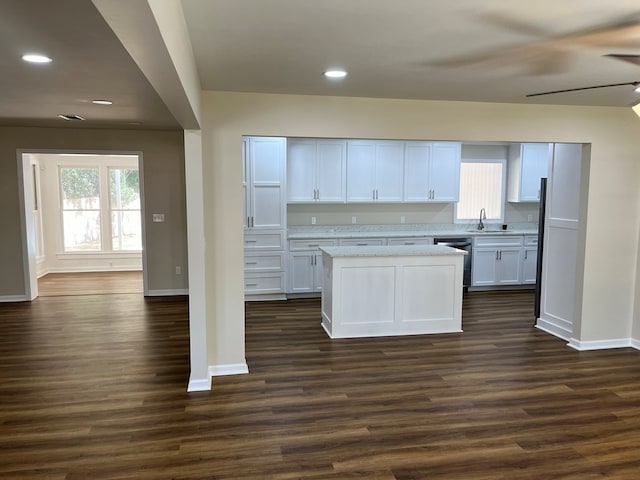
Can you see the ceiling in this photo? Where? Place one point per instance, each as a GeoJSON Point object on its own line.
{"type": "Point", "coordinates": [490, 51]}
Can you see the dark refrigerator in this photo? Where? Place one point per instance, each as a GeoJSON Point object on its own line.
{"type": "Point", "coordinates": [543, 200]}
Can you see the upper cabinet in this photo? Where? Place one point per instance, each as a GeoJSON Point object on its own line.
{"type": "Point", "coordinates": [316, 171]}
{"type": "Point", "coordinates": [432, 172]}
{"type": "Point", "coordinates": [375, 171]}
{"type": "Point", "coordinates": [369, 171]}
{"type": "Point", "coordinates": [264, 180]}
{"type": "Point", "coordinates": [528, 163]}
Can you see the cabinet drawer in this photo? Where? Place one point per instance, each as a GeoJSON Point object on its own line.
{"type": "Point", "coordinates": [530, 240]}
{"type": "Point", "coordinates": [264, 283]}
{"type": "Point", "coordinates": [410, 241]}
{"type": "Point", "coordinates": [311, 244]}
{"type": "Point", "coordinates": [264, 241]}
{"type": "Point", "coordinates": [264, 262]}
{"type": "Point", "coordinates": [498, 241]}
{"type": "Point", "coordinates": [358, 242]}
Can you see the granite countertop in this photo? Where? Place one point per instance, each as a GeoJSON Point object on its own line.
{"type": "Point", "coordinates": [392, 251]}
{"type": "Point", "coordinates": [404, 230]}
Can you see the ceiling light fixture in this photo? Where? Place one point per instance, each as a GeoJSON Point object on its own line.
{"type": "Point", "coordinates": [102, 102]}
{"type": "Point", "coordinates": [636, 108]}
{"type": "Point", "coordinates": [70, 117]}
{"type": "Point", "coordinates": [36, 58]}
{"type": "Point", "coordinates": [335, 73]}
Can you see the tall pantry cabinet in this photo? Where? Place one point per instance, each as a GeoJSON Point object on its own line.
{"type": "Point", "coordinates": [265, 223]}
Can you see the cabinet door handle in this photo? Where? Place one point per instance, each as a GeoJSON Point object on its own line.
{"type": "Point", "coordinates": [318, 194]}
{"type": "Point", "coordinates": [248, 222]}
{"type": "Point", "coordinates": [497, 258]}
{"type": "Point", "coordinates": [526, 254]}
{"type": "Point", "coordinates": [250, 263]}
{"type": "Point", "coordinates": [250, 284]}
{"type": "Point", "coordinates": [250, 241]}
{"type": "Point", "coordinates": [313, 244]}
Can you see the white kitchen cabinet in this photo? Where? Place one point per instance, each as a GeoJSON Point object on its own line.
{"type": "Point", "coordinates": [264, 180]}
{"type": "Point", "coordinates": [316, 171]}
{"type": "Point", "coordinates": [410, 241]}
{"type": "Point", "coordinates": [362, 242]}
{"type": "Point", "coordinates": [305, 265]}
{"type": "Point", "coordinates": [530, 259]}
{"type": "Point", "coordinates": [528, 163]}
{"type": "Point", "coordinates": [305, 272]}
{"type": "Point", "coordinates": [432, 172]}
{"type": "Point", "coordinates": [375, 171]}
{"type": "Point", "coordinates": [264, 217]}
{"type": "Point", "coordinates": [496, 261]}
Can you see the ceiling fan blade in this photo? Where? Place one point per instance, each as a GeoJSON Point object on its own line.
{"type": "Point", "coordinates": [513, 24]}
{"type": "Point", "coordinates": [635, 84]}
{"type": "Point", "coordinates": [634, 59]}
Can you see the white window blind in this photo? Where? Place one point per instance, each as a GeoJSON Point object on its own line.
{"type": "Point", "coordinates": [482, 185]}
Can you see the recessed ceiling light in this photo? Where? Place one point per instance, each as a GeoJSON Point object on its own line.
{"type": "Point", "coordinates": [102, 102]}
{"type": "Point", "coordinates": [335, 74]}
{"type": "Point", "coordinates": [36, 58]}
{"type": "Point", "coordinates": [70, 117]}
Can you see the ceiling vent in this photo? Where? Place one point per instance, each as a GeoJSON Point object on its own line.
{"type": "Point", "coordinates": [70, 117]}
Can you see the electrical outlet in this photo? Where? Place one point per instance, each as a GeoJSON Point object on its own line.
{"type": "Point", "coordinates": [353, 220]}
{"type": "Point", "coordinates": [158, 217]}
{"type": "Point", "coordinates": [313, 220]}
{"type": "Point", "coordinates": [178, 270]}
{"type": "Point", "coordinates": [402, 218]}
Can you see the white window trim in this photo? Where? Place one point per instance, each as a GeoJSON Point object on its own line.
{"type": "Point", "coordinates": [103, 164]}
{"type": "Point", "coordinates": [503, 194]}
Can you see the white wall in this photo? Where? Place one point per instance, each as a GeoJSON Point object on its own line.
{"type": "Point", "coordinates": [609, 273]}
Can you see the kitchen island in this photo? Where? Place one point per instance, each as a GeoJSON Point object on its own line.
{"type": "Point", "coordinates": [391, 290]}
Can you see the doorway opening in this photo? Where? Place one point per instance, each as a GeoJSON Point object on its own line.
{"type": "Point", "coordinates": [82, 221]}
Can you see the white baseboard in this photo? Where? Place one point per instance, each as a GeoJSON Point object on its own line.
{"type": "Point", "coordinates": [635, 343]}
{"type": "Point", "coordinates": [553, 329]}
{"type": "Point", "coordinates": [199, 384]}
{"type": "Point", "coordinates": [168, 293]}
{"type": "Point", "coordinates": [14, 298]}
{"type": "Point", "coordinates": [600, 344]}
{"type": "Point", "coordinates": [228, 369]}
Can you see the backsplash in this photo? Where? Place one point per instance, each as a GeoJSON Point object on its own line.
{"type": "Point", "coordinates": [394, 214]}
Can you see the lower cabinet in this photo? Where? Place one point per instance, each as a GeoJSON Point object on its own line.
{"type": "Point", "coordinates": [305, 272]}
{"type": "Point", "coordinates": [264, 265]}
{"type": "Point", "coordinates": [497, 261]}
{"type": "Point", "coordinates": [304, 265]}
{"type": "Point", "coordinates": [530, 259]}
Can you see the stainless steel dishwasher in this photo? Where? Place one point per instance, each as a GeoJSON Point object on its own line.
{"type": "Point", "coordinates": [461, 243]}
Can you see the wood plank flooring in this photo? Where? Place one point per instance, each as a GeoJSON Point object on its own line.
{"type": "Point", "coordinates": [93, 387]}
{"type": "Point", "coordinates": [89, 283]}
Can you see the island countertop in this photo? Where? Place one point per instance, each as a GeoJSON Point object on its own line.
{"type": "Point", "coordinates": [391, 251]}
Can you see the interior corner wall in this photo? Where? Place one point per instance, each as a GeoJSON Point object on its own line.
{"type": "Point", "coordinates": [164, 192]}
{"type": "Point", "coordinates": [613, 216]}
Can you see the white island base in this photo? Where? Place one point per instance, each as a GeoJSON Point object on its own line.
{"type": "Point", "coordinates": [391, 290]}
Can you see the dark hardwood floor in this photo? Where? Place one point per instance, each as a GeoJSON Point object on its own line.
{"type": "Point", "coordinates": [93, 387]}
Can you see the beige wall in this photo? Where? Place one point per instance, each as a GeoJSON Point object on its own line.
{"type": "Point", "coordinates": [164, 192]}
{"type": "Point", "coordinates": [614, 204]}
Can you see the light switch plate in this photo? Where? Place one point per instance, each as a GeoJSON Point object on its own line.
{"type": "Point", "coordinates": [158, 217]}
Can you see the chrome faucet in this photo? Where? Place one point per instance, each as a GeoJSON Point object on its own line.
{"type": "Point", "coordinates": [483, 216]}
